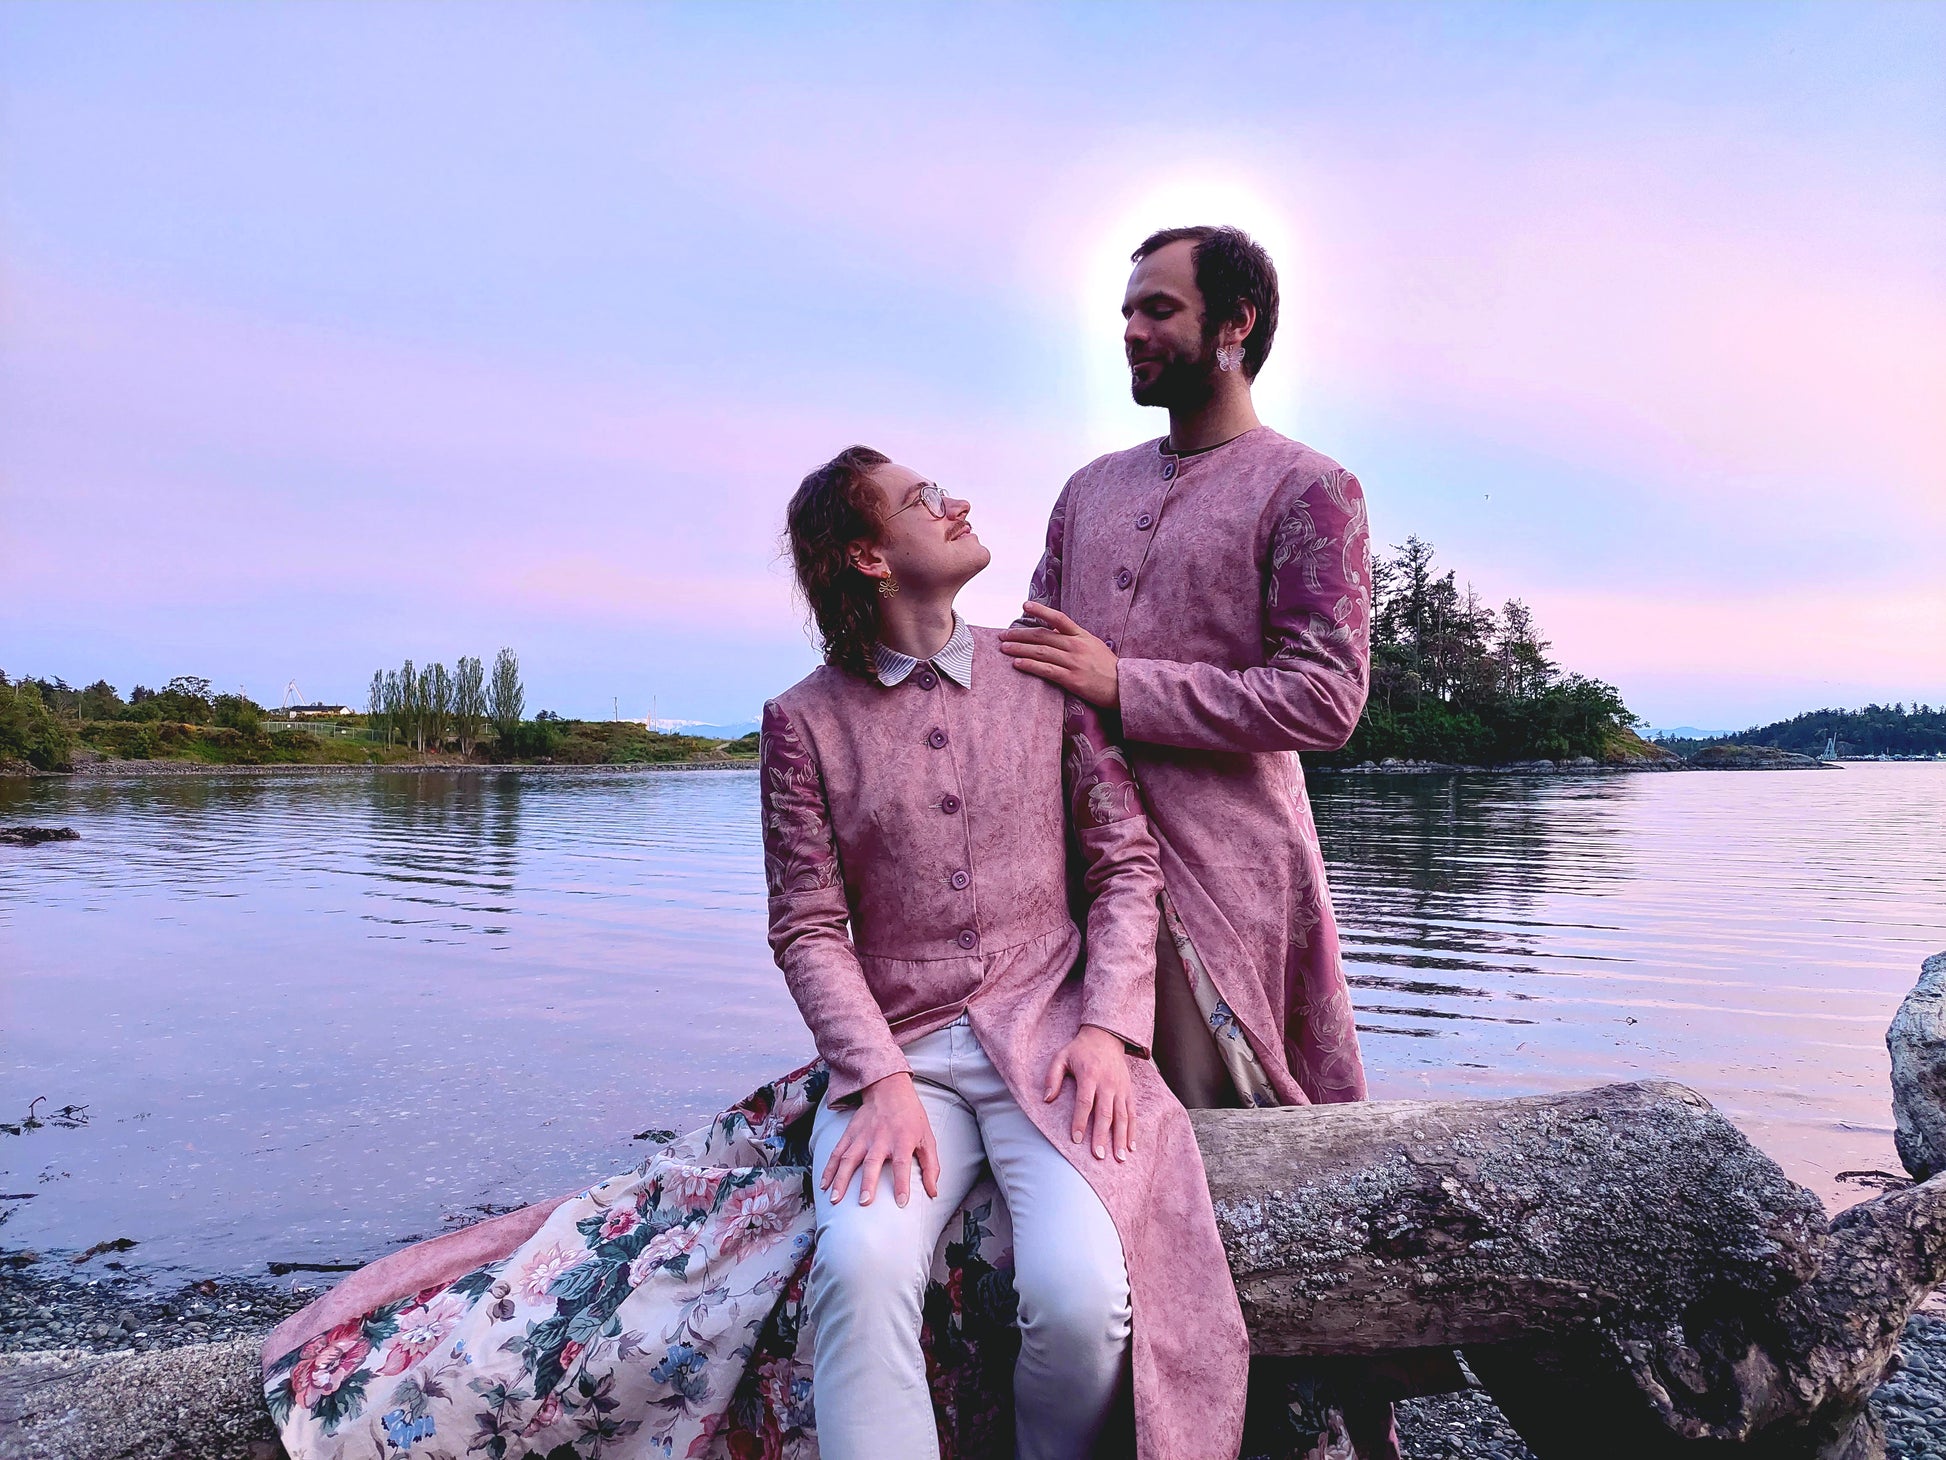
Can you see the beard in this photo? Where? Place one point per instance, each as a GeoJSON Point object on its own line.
{"type": "Point", "coordinates": [1184, 382]}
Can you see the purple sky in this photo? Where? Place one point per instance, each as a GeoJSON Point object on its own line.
{"type": "Point", "coordinates": [333, 335]}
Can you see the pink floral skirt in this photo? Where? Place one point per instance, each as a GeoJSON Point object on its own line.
{"type": "Point", "coordinates": [657, 1314]}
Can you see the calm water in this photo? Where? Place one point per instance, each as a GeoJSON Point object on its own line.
{"type": "Point", "coordinates": [312, 1016]}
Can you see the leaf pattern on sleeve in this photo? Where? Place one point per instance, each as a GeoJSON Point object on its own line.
{"type": "Point", "coordinates": [1045, 586]}
{"type": "Point", "coordinates": [1101, 786]}
{"type": "Point", "coordinates": [1122, 874]}
{"type": "Point", "coordinates": [798, 852]}
{"type": "Point", "coordinates": [1318, 592]}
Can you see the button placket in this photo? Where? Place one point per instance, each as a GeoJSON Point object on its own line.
{"type": "Point", "coordinates": [960, 878]}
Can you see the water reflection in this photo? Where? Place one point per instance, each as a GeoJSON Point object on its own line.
{"type": "Point", "coordinates": [312, 1015]}
{"type": "Point", "coordinates": [1749, 936]}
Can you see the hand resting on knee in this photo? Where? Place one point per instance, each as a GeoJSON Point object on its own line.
{"type": "Point", "coordinates": [890, 1126]}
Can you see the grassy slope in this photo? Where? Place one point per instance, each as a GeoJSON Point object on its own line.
{"type": "Point", "coordinates": [1625, 745]}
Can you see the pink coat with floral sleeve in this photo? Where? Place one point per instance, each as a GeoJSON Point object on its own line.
{"type": "Point", "coordinates": [916, 842]}
{"type": "Point", "coordinates": [1235, 586]}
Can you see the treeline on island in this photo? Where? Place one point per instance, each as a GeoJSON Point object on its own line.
{"type": "Point", "coordinates": [427, 715]}
{"type": "Point", "coordinates": [1457, 681]}
{"type": "Point", "coordinates": [1895, 729]}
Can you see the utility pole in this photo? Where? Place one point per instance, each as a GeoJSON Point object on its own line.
{"type": "Point", "coordinates": [618, 707]}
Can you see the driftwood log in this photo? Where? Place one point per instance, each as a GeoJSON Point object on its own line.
{"type": "Point", "coordinates": [1625, 1272]}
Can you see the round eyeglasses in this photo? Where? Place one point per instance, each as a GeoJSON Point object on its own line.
{"type": "Point", "coordinates": [931, 496]}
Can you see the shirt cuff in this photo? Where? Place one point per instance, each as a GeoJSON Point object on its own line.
{"type": "Point", "coordinates": [852, 1071]}
{"type": "Point", "coordinates": [1130, 1020]}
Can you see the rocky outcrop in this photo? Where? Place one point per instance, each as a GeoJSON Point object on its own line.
{"type": "Point", "coordinates": [1629, 751]}
{"type": "Point", "coordinates": [1753, 758]}
{"type": "Point", "coordinates": [1917, 1044]}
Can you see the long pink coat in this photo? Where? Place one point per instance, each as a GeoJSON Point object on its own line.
{"type": "Point", "coordinates": [916, 844]}
{"type": "Point", "coordinates": [1235, 586]}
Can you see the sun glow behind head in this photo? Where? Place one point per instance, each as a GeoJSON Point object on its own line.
{"type": "Point", "coordinates": [1190, 197]}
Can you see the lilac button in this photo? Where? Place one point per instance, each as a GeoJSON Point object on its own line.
{"type": "Point", "coordinates": [1168, 470]}
{"type": "Point", "coordinates": [937, 740]}
{"type": "Point", "coordinates": [949, 804]}
{"type": "Point", "coordinates": [1124, 578]}
{"type": "Point", "coordinates": [960, 879]}
{"type": "Point", "coordinates": [968, 938]}
{"type": "Point", "coordinates": [1111, 645]}
{"type": "Point", "coordinates": [925, 679]}
{"type": "Point", "coordinates": [1144, 522]}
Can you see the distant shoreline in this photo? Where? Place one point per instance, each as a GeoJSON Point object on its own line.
{"type": "Point", "coordinates": [123, 769]}
{"type": "Point", "coordinates": [164, 769]}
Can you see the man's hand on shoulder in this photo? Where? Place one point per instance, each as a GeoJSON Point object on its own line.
{"type": "Point", "coordinates": [1066, 654]}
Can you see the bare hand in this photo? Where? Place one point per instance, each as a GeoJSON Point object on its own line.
{"type": "Point", "coordinates": [1102, 1094]}
{"type": "Point", "coordinates": [890, 1126]}
{"type": "Point", "coordinates": [1067, 654]}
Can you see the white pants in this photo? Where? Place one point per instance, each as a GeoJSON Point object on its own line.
{"type": "Point", "coordinates": [868, 1275]}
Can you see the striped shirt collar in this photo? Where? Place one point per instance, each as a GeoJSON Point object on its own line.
{"type": "Point", "coordinates": [955, 661]}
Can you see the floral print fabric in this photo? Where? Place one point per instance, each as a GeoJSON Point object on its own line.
{"type": "Point", "coordinates": [655, 1315]}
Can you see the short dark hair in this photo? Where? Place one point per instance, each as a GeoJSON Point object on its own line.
{"type": "Point", "coordinates": [1231, 268]}
{"type": "Point", "coordinates": [833, 507]}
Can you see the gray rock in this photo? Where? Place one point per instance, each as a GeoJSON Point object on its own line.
{"type": "Point", "coordinates": [1917, 1043]}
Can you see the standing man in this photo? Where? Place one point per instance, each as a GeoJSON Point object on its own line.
{"type": "Point", "coordinates": [1214, 587]}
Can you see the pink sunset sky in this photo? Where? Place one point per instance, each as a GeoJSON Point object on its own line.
{"type": "Point", "coordinates": [332, 335]}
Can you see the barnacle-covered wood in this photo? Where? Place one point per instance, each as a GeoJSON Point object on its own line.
{"type": "Point", "coordinates": [1363, 1228]}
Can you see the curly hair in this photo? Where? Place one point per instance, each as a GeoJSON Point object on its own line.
{"type": "Point", "coordinates": [833, 507]}
{"type": "Point", "coordinates": [1231, 267]}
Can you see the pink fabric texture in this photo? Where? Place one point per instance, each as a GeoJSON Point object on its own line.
{"type": "Point", "coordinates": [1235, 586]}
{"type": "Point", "coordinates": [916, 842]}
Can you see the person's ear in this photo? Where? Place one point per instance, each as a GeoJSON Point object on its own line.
{"type": "Point", "coordinates": [867, 559]}
{"type": "Point", "coordinates": [1237, 330]}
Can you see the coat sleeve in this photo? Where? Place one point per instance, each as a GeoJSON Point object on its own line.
{"type": "Point", "coordinates": [1122, 875]}
{"type": "Point", "coordinates": [809, 916]}
{"type": "Point", "coordinates": [1045, 586]}
{"type": "Point", "coordinates": [1310, 690]}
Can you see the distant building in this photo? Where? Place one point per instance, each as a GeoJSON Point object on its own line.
{"type": "Point", "coordinates": [302, 712]}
